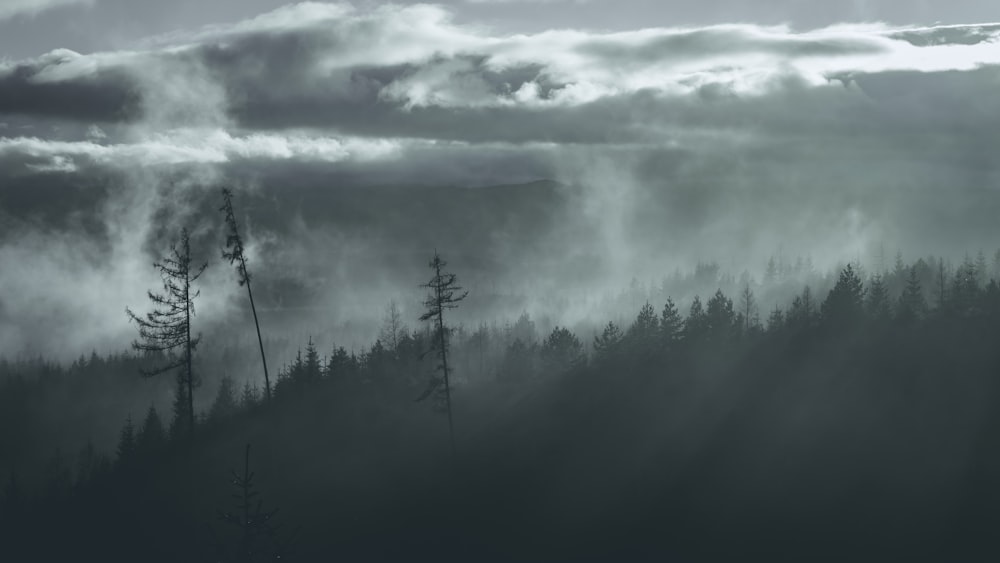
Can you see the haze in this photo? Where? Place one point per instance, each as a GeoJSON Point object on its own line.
{"type": "Point", "coordinates": [633, 139]}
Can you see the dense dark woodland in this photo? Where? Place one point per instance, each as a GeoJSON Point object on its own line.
{"type": "Point", "coordinates": [856, 425]}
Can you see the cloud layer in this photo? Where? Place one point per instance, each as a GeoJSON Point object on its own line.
{"type": "Point", "coordinates": [11, 8]}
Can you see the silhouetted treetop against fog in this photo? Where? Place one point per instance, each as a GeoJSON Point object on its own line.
{"type": "Point", "coordinates": [167, 328]}
{"type": "Point", "coordinates": [845, 303]}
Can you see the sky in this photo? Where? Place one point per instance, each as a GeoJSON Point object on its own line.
{"type": "Point", "coordinates": [680, 131]}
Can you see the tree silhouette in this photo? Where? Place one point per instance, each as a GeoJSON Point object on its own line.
{"type": "Point", "coordinates": [312, 368]}
{"type": "Point", "coordinates": [561, 350]}
{"type": "Point", "coordinates": [671, 326]}
{"type": "Point", "coordinates": [965, 289]}
{"type": "Point", "coordinates": [748, 308]}
{"type": "Point", "coordinates": [445, 293]}
{"type": "Point", "coordinates": [844, 304]}
{"type": "Point", "coordinates": [721, 316]}
{"type": "Point", "coordinates": [225, 400]}
{"type": "Point", "coordinates": [801, 313]}
{"type": "Point", "coordinates": [643, 335]}
{"type": "Point", "coordinates": [776, 320]}
{"type": "Point", "coordinates": [606, 346]}
{"type": "Point", "coordinates": [151, 436]}
{"type": "Point", "coordinates": [912, 305]}
{"type": "Point", "coordinates": [250, 396]}
{"type": "Point", "coordinates": [877, 301]}
{"type": "Point", "coordinates": [126, 443]}
{"type": "Point", "coordinates": [235, 255]}
{"type": "Point", "coordinates": [696, 324]}
{"type": "Point", "coordinates": [393, 329]}
{"type": "Point", "coordinates": [259, 538]}
{"type": "Point", "coordinates": [167, 328]}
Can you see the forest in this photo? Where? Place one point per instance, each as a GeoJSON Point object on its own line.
{"type": "Point", "coordinates": [856, 421]}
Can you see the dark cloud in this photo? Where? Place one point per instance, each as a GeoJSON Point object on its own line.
{"type": "Point", "coordinates": [355, 73]}
{"type": "Point", "coordinates": [98, 95]}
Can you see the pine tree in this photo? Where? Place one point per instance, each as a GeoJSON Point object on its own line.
{"type": "Point", "coordinates": [982, 271]}
{"type": "Point", "coordinates": [311, 369]}
{"type": "Point", "coordinates": [798, 316]}
{"type": "Point", "coordinates": [225, 400]}
{"type": "Point", "coordinates": [167, 328]}
{"type": "Point", "coordinates": [393, 329]}
{"type": "Point", "coordinates": [776, 320]}
{"type": "Point", "coordinates": [445, 293]}
{"type": "Point", "coordinates": [965, 289]}
{"type": "Point", "coordinates": [696, 324]}
{"type": "Point", "coordinates": [259, 533]}
{"type": "Point", "coordinates": [877, 302]}
{"type": "Point", "coordinates": [771, 273]}
{"type": "Point", "coordinates": [561, 350]}
{"type": "Point", "coordinates": [748, 308]}
{"type": "Point", "coordinates": [643, 335]}
{"type": "Point", "coordinates": [844, 305]}
{"type": "Point", "coordinates": [126, 443]}
{"type": "Point", "coordinates": [671, 326]}
{"type": "Point", "coordinates": [250, 396]}
{"type": "Point", "coordinates": [911, 306]}
{"type": "Point", "coordinates": [235, 255]}
{"type": "Point", "coordinates": [942, 283]}
{"type": "Point", "coordinates": [152, 436]}
{"type": "Point", "coordinates": [720, 316]}
{"type": "Point", "coordinates": [338, 365]}
{"type": "Point", "coordinates": [606, 346]}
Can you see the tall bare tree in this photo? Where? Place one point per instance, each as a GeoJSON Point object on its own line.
{"type": "Point", "coordinates": [167, 328]}
{"type": "Point", "coordinates": [445, 293]}
{"type": "Point", "coordinates": [393, 329]}
{"type": "Point", "coordinates": [748, 307]}
{"type": "Point", "coordinates": [234, 253]}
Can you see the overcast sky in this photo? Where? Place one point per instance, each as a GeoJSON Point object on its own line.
{"type": "Point", "coordinates": [31, 27]}
{"type": "Point", "coordinates": [691, 129]}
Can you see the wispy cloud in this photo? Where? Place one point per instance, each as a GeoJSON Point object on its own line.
{"type": "Point", "coordinates": [11, 8]}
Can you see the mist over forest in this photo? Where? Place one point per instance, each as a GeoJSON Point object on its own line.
{"type": "Point", "coordinates": [495, 281]}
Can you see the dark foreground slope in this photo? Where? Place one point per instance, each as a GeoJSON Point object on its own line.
{"type": "Point", "coordinates": [867, 443]}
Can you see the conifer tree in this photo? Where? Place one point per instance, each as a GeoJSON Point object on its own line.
{"type": "Point", "coordinates": [167, 328]}
{"type": "Point", "coordinates": [126, 442]}
{"type": "Point", "coordinates": [312, 368]}
{"type": "Point", "coordinates": [643, 335]}
{"type": "Point", "coordinates": [225, 400]}
{"type": "Point", "coordinates": [606, 346]}
{"type": "Point", "coordinates": [338, 364]}
{"type": "Point", "coordinates": [235, 255]}
{"type": "Point", "coordinates": [720, 315]}
{"type": "Point", "coordinates": [844, 304]}
{"type": "Point", "coordinates": [748, 308]}
{"type": "Point", "coordinates": [671, 325]}
{"type": "Point", "coordinates": [696, 324]}
{"type": "Point", "coordinates": [249, 397]}
{"type": "Point", "coordinates": [877, 302]}
{"type": "Point", "coordinates": [912, 305]}
{"type": "Point", "coordinates": [561, 350]}
{"type": "Point", "coordinates": [393, 329]}
{"type": "Point", "coordinates": [152, 435]}
{"type": "Point", "coordinates": [259, 533]}
{"type": "Point", "coordinates": [776, 320]}
{"type": "Point", "coordinates": [445, 293]}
